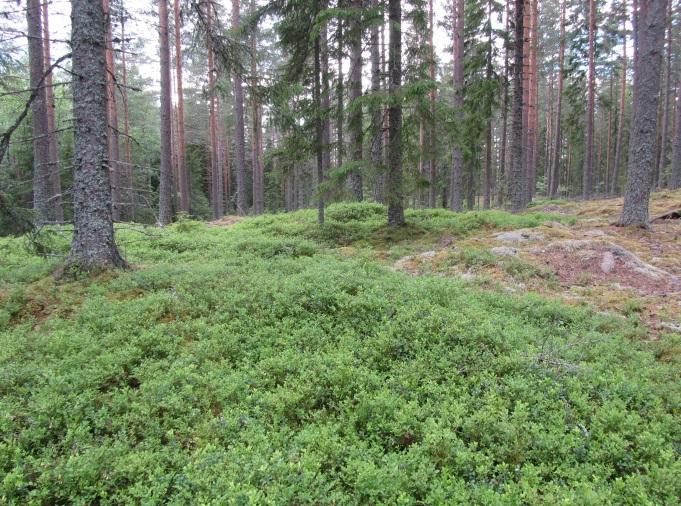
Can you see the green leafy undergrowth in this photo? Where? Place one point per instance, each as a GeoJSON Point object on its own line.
{"type": "Point", "coordinates": [245, 366]}
{"type": "Point", "coordinates": [364, 224]}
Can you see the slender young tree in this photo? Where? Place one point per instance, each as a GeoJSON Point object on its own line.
{"type": "Point", "coordinates": [56, 208]}
{"type": "Point", "coordinates": [93, 246]}
{"type": "Point", "coordinates": [587, 175]}
{"type": "Point", "coordinates": [183, 176]}
{"type": "Point", "coordinates": [666, 92]}
{"type": "Point", "coordinates": [504, 110]}
{"type": "Point", "coordinates": [129, 178]}
{"type": "Point", "coordinates": [620, 125]}
{"type": "Point", "coordinates": [340, 107]}
{"type": "Point", "coordinates": [114, 148]}
{"type": "Point", "coordinates": [355, 85]}
{"type": "Point", "coordinates": [675, 180]}
{"type": "Point", "coordinates": [515, 179]}
{"type": "Point", "coordinates": [377, 113]}
{"type": "Point", "coordinates": [216, 183]}
{"type": "Point", "coordinates": [489, 177]}
{"type": "Point", "coordinates": [456, 177]}
{"type": "Point", "coordinates": [432, 141]}
{"type": "Point", "coordinates": [395, 196]}
{"type": "Point", "coordinates": [165, 202]}
{"type": "Point", "coordinates": [239, 136]}
{"type": "Point", "coordinates": [555, 168]}
{"type": "Point", "coordinates": [325, 115]}
{"type": "Point", "coordinates": [650, 41]}
{"type": "Point", "coordinates": [41, 152]}
{"type": "Point", "coordinates": [256, 134]}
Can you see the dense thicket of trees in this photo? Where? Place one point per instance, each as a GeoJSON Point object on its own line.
{"type": "Point", "coordinates": [351, 100]}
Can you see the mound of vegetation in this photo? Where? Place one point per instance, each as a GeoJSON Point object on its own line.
{"type": "Point", "coordinates": [253, 365]}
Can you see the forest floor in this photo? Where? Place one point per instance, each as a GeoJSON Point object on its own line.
{"type": "Point", "coordinates": [466, 358]}
{"type": "Point", "coordinates": [592, 262]}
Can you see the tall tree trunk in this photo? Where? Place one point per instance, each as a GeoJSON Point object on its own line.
{"type": "Point", "coordinates": [532, 115]}
{"type": "Point", "coordinates": [239, 137]}
{"type": "Point", "coordinates": [165, 193]}
{"type": "Point", "coordinates": [515, 179]}
{"type": "Point", "coordinates": [555, 168]}
{"type": "Point", "coordinates": [93, 246]}
{"type": "Point", "coordinates": [340, 107]}
{"type": "Point", "coordinates": [41, 149]}
{"type": "Point", "coordinates": [432, 170]}
{"type": "Point", "coordinates": [56, 208]}
{"type": "Point", "coordinates": [620, 125]}
{"type": "Point", "coordinates": [213, 106]}
{"type": "Point", "coordinates": [355, 84]}
{"type": "Point", "coordinates": [504, 114]}
{"type": "Point", "coordinates": [675, 181]}
{"type": "Point", "coordinates": [662, 157]}
{"type": "Point", "coordinates": [650, 40]}
{"type": "Point", "coordinates": [527, 72]}
{"type": "Point", "coordinates": [489, 179]}
{"type": "Point", "coordinates": [325, 110]}
{"type": "Point", "coordinates": [377, 116]}
{"type": "Point", "coordinates": [183, 176]}
{"type": "Point", "coordinates": [587, 175]}
{"type": "Point", "coordinates": [611, 106]}
{"type": "Point", "coordinates": [456, 182]}
{"type": "Point", "coordinates": [130, 196]}
{"type": "Point", "coordinates": [114, 150]}
{"type": "Point", "coordinates": [395, 191]}
{"type": "Point", "coordinates": [319, 127]}
{"type": "Point", "coordinates": [256, 136]}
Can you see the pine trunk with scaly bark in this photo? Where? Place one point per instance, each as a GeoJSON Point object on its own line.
{"type": "Point", "coordinates": [355, 85]}
{"type": "Point", "coordinates": [395, 192]}
{"type": "Point", "coordinates": [239, 136]}
{"type": "Point", "coordinates": [114, 148]}
{"type": "Point", "coordinates": [165, 196]}
{"type": "Point", "coordinates": [587, 174]}
{"type": "Point", "coordinates": [456, 176]}
{"type": "Point", "coordinates": [650, 41]}
{"type": "Point", "coordinates": [515, 179]}
{"type": "Point", "coordinates": [41, 151]}
{"type": "Point", "coordinates": [56, 207]}
{"type": "Point", "coordinates": [620, 125]}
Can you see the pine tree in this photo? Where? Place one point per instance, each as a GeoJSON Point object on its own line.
{"type": "Point", "coordinates": [41, 153]}
{"type": "Point", "coordinates": [456, 177]}
{"type": "Point", "coordinates": [515, 177]}
{"type": "Point", "coordinates": [649, 45]}
{"type": "Point", "coordinates": [395, 195]}
{"type": "Point", "coordinates": [183, 176]}
{"type": "Point", "coordinates": [165, 204]}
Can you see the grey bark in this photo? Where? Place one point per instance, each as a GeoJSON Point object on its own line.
{"type": "Point", "coordinates": [165, 195]}
{"type": "Point", "coordinates": [355, 85]}
{"type": "Point", "coordinates": [456, 177]}
{"type": "Point", "coordinates": [93, 246]}
{"type": "Point", "coordinates": [41, 154]}
{"type": "Point", "coordinates": [650, 41]}
{"type": "Point", "coordinates": [239, 137]}
{"type": "Point", "coordinates": [515, 179]}
{"type": "Point", "coordinates": [395, 196]}
{"type": "Point", "coordinates": [319, 126]}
